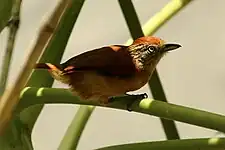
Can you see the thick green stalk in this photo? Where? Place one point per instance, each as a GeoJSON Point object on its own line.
{"type": "Point", "coordinates": [52, 54]}
{"type": "Point", "coordinates": [164, 15]}
{"type": "Point", "coordinates": [18, 134]}
{"type": "Point", "coordinates": [13, 25]}
{"type": "Point", "coordinates": [188, 144]}
{"type": "Point", "coordinates": [10, 99]}
{"type": "Point", "coordinates": [146, 106]}
{"type": "Point", "coordinates": [155, 83]}
{"type": "Point", "coordinates": [74, 132]}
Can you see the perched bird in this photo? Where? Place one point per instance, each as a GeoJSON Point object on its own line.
{"type": "Point", "coordinates": [110, 71]}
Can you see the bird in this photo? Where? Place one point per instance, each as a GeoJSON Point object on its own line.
{"type": "Point", "coordinates": [110, 71]}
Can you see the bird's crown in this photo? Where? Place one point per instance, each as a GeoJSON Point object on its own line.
{"type": "Point", "coordinates": [149, 40]}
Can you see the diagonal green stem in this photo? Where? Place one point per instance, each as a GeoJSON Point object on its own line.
{"type": "Point", "coordinates": [187, 144]}
{"type": "Point", "coordinates": [74, 131]}
{"type": "Point", "coordinates": [18, 132]}
{"type": "Point", "coordinates": [46, 35]}
{"type": "Point", "coordinates": [134, 25]}
{"type": "Point", "coordinates": [164, 15]}
{"type": "Point", "coordinates": [52, 54]}
{"type": "Point", "coordinates": [171, 130]}
{"type": "Point", "coordinates": [171, 9]}
{"type": "Point", "coordinates": [146, 106]}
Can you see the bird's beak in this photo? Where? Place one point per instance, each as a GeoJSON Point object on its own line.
{"type": "Point", "coordinates": [169, 47]}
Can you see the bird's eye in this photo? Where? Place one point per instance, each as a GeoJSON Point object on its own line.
{"type": "Point", "coordinates": [151, 49]}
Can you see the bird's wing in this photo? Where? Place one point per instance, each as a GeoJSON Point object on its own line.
{"type": "Point", "coordinates": [111, 61]}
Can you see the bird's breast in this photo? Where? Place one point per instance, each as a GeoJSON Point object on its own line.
{"type": "Point", "coordinates": [138, 80]}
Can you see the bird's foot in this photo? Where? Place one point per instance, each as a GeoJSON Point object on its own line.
{"type": "Point", "coordinates": [133, 97]}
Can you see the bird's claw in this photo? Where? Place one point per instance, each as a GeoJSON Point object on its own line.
{"type": "Point", "coordinates": [144, 95]}
{"type": "Point", "coordinates": [134, 98]}
{"type": "Point", "coordinates": [131, 99]}
{"type": "Point", "coordinates": [111, 99]}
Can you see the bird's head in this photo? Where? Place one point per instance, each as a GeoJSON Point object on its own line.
{"type": "Point", "coordinates": [147, 51]}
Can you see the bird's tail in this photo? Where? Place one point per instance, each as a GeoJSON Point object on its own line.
{"type": "Point", "coordinates": [55, 71]}
{"type": "Point", "coordinates": [48, 66]}
{"type": "Point", "coordinates": [42, 66]}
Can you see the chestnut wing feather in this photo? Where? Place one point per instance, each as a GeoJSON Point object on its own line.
{"type": "Point", "coordinates": [109, 61]}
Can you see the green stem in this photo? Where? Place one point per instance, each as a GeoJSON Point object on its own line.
{"type": "Point", "coordinates": [171, 9]}
{"type": "Point", "coordinates": [134, 25]}
{"type": "Point", "coordinates": [171, 130]}
{"type": "Point", "coordinates": [146, 106]}
{"type": "Point", "coordinates": [5, 12]}
{"type": "Point", "coordinates": [52, 54]}
{"type": "Point", "coordinates": [159, 19]}
{"type": "Point", "coordinates": [18, 133]}
{"type": "Point", "coordinates": [187, 144]}
{"type": "Point", "coordinates": [164, 15]}
{"type": "Point", "coordinates": [73, 133]}
{"type": "Point", "coordinates": [10, 98]}
{"type": "Point", "coordinates": [13, 28]}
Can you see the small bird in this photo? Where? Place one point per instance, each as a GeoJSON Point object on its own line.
{"type": "Point", "coordinates": [110, 71]}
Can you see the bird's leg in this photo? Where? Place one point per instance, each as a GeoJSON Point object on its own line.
{"type": "Point", "coordinates": [131, 99]}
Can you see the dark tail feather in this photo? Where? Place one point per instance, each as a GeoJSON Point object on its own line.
{"type": "Point", "coordinates": [42, 66]}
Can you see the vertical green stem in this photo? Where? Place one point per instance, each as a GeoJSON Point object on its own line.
{"type": "Point", "coordinates": [156, 22]}
{"type": "Point", "coordinates": [73, 133]}
{"type": "Point", "coordinates": [13, 25]}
